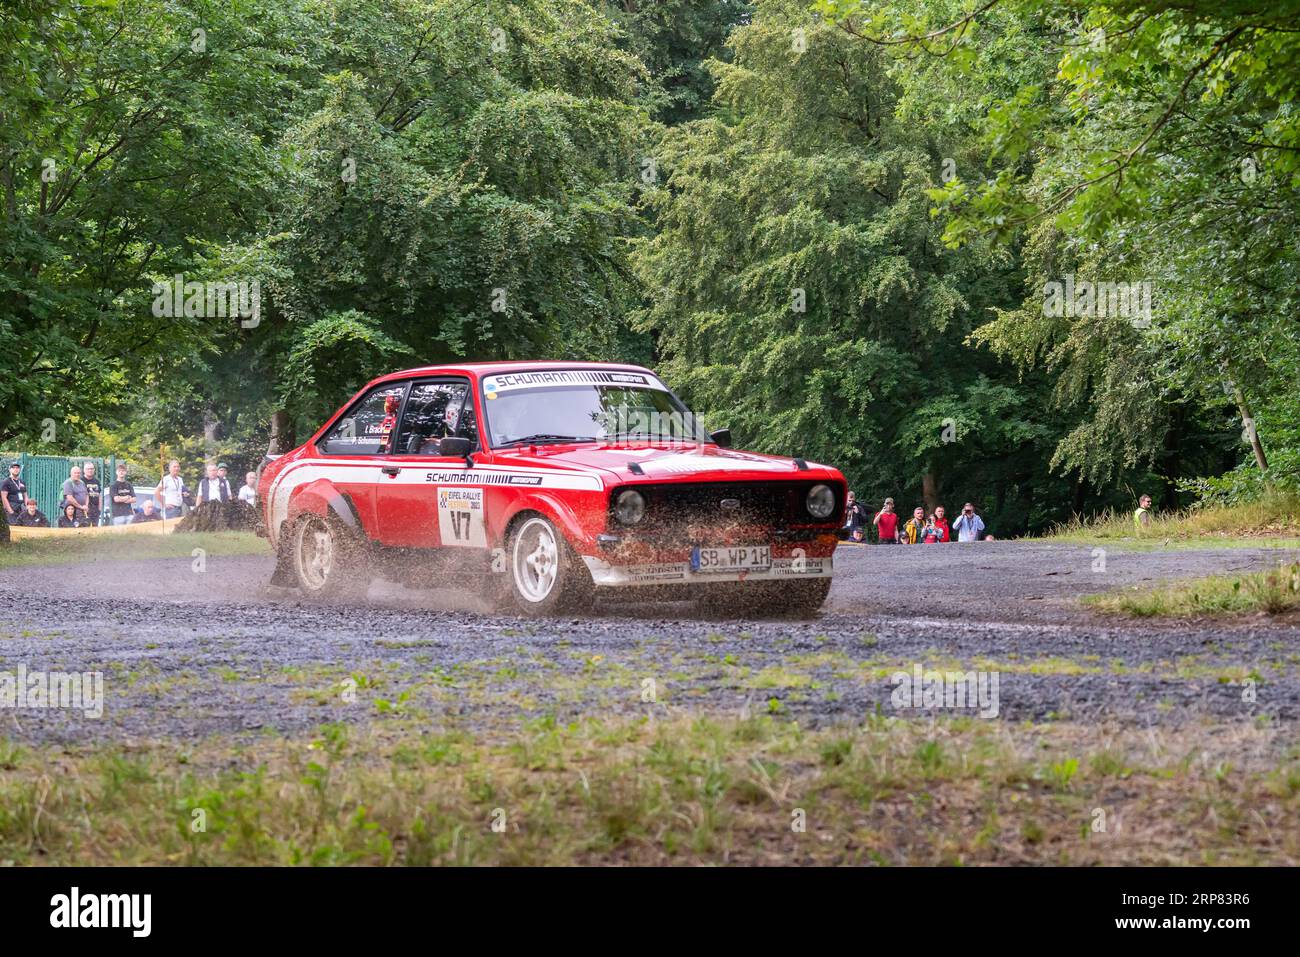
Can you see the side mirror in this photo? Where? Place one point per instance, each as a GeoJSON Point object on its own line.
{"type": "Point", "coordinates": [454, 446]}
{"type": "Point", "coordinates": [722, 437]}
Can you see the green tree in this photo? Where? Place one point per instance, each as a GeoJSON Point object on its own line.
{"type": "Point", "coordinates": [1163, 147]}
{"type": "Point", "coordinates": [131, 133]}
{"type": "Point", "coordinates": [798, 286]}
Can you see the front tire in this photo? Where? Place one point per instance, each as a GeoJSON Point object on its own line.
{"type": "Point", "coordinates": [546, 577]}
{"type": "Point", "coordinates": [324, 560]}
{"type": "Point", "coordinates": [765, 599]}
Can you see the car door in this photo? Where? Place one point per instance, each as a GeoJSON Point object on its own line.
{"type": "Point", "coordinates": [426, 499]}
{"type": "Point", "coordinates": [356, 448]}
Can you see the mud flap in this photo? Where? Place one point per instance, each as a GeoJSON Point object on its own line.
{"type": "Point", "coordinates": [284, 575]}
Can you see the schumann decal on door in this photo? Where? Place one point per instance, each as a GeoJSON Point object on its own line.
{"type": "Point", "coordinates": [460, 517]}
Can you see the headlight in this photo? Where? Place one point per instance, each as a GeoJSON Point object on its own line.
{"type": "Point", "coordinates": [630, 507]}
{"type": "Point", "coordinates": [820, 501]}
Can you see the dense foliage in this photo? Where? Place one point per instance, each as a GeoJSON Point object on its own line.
{"type": "Point", "coordinates": [830, 223]}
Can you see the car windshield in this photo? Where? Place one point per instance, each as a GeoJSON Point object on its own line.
{"type": "Point", "coordinates": [585, 406]}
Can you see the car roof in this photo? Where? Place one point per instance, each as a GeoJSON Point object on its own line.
{"type": "Point", "coordinates": [478, 369]}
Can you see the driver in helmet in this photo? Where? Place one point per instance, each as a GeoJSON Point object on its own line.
{"type": "Point", "coordinates": [442, 429]}
{"type": "Point", "coordinates": [389, 423]}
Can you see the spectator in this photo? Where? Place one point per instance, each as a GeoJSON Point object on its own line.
{"type": "Point", "coordinates": [855, 516]}
{"type": "Point", "coordinates": [249, 492]}
{"type": "Point", "coordinates": [912, 530]}
{"type": "Point", "coordinates": [94, 494]}
{"type": "Point", "coordinates": [930, 533]}
{"type": "Point", "coordinates": [210, 486]}
{"type": "Point", "coordinates": [968, 525]}
{"type": "Point", "coordinates": [13, 493]}
{"type": "Point", "coordinates": [147, 513]}
{"type": "Point", "coordinates": [73, 516]}
{"type": "Point", "coordinates": [76, 493]}
{"type": "Point", "coordinates": [226, 494]}
{"type": "Point", "coordinates": [171, 490]}
{"type": "Point", "coordinates": [1142, 517]}
{"type": "Point", "coordinates": [886, 522]}
{"type": "Point", "coordinates": [941, 523]}
{"type": "Point", "coordinates": [32, 517]}
{"type": "Point", "coordinates": [122, 496]}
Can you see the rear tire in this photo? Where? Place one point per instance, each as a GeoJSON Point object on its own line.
{"type": "Point", "coordinates": [545, 576]}
{"type": "Point", "coordinates": [326, 559]}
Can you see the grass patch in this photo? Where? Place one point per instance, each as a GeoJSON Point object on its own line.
{"type": "Point", "coordinates": [1274, 591]}
{"type": "Point", "coordinates": [53, 550]}
{"type": "Point", "coordinates": [689, 791]}
{"type": "Point", "coordinates": [1273, 520]}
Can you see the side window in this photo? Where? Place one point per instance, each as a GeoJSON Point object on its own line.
{"type": "Point", "coordinates": [368, 426]}
{"type": "Point", "coordinates": [433, 412]}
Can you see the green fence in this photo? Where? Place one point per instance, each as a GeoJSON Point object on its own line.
{"type": "Point", "coordinates": [45, 475]}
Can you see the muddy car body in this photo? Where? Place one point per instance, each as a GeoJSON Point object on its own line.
{"type": "Point", "coordinates": [553, 481]}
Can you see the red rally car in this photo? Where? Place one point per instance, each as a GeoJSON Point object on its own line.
{"type": "Point", "coordinates": [552, 481]}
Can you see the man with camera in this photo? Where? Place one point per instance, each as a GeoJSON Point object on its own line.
{"type": "Point", "coordinates": [968, 526]}
{"type": "Point", "coordinates": [886, 522]}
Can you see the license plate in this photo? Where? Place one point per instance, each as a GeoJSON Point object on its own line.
{"type": "Point", "coordinates": [736, 558]}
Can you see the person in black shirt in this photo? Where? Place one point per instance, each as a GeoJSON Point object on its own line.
{"type": "Point", "coordinates": [94, 493]}
{"type": "Point", "coordinates": [121, 495]}
{"type": "Point", "coordinates": [209, 486]}
{"type": "Point", "coordinates": [147, 513]}
{"type": "Point", "coordinates": [32, 517]}
{"type": "Point", "coordinates": [13, 493]}
{"type": "Point", "coordinates": [855, 517]}
{"type": "Point", "coordinates": [70, 518]}
{"type": "Point", "coordinates": [224, 491]}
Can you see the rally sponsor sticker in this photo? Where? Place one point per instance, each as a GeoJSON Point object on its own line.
{"type": "Point", "coordinates": [460, 517]}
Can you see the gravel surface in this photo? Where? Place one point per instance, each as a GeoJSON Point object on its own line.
{"type": "Point", "coordinates": [221, 652]}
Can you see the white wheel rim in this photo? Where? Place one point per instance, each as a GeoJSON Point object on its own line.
{"type": "Point", "coordinates": [536, 560]}
{"type": "Point", "coordinates": [315, 554]}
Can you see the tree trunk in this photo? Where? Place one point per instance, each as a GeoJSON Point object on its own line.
{"type": "Point", "coordinates": [929, 492]}
{"type": "Point", "coordinates": [211, 425]}
{"type": "Point", "coordinates": [1248, 429]}
{"type": "Point", "coordinates": [281, 434]}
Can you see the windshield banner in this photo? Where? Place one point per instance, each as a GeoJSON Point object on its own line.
{"type": "Point", "coordinates": [494, 385]}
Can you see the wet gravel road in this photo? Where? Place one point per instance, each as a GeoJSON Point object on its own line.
{"type": "Point", "coordinates": [221, 652]}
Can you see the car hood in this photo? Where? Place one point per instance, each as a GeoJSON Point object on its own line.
{"type": "Point", "coordinates": [639, 464]}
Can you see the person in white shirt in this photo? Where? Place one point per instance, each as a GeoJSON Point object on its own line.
{"type": "Point", "coordinates": [210, 487]}
{"type": "Point", "coordinates": [968, 525]}
{"type": "Point", "coordinates": [249, 491]}
{"type": "Point", "coordinates": [170, 491]}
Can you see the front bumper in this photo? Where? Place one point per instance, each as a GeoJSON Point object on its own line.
{"type": "Point", "coordinates": [608, 575]}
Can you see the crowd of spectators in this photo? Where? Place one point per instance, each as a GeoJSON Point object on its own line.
{"type": "Point", "coordinates": [921, 528]}
{"type": "Point", "coordinates": [83, 501]}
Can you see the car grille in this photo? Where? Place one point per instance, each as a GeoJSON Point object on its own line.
{"type": "Point", "coordinates": [769, 504]}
